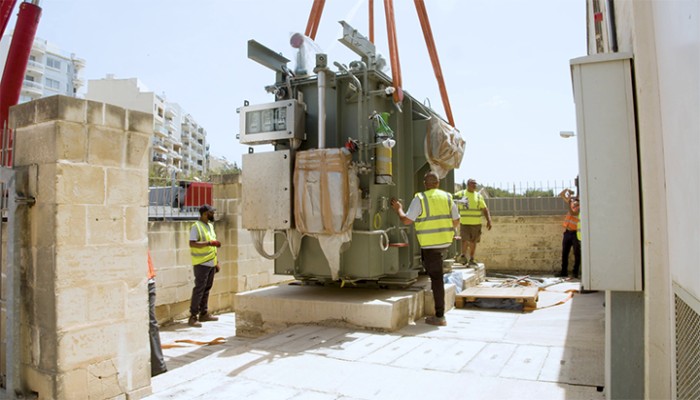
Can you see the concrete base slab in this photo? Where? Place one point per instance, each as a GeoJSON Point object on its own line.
{"type": "Point", "coordinates": [272, 309]}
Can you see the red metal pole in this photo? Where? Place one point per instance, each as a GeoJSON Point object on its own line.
{"type": "Point", "coordinates": [6, 7]}
{"type": "Point", "coordinates": [15, 68]}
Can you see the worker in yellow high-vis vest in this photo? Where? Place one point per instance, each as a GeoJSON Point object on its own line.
{"type": "Point", "coordinates": [203, 249]}
{"type": "Point", "coordinates": [471, 207]}
{"type": "Point", "coordinates": [437, 220]}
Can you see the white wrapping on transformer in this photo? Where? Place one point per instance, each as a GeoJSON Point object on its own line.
{"type": "Point", "coordinates": [444, 146]}
{"type": "Point", "coordinates": [326, 194]}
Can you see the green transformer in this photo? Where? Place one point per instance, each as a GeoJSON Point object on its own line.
{"type": "Point", "coordinates": [343, 147]}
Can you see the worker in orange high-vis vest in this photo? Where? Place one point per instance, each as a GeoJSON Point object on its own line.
{"type": "Point", "coordinates": [571, 236]}
{"type": "Point", "coordinates": [157, 362]}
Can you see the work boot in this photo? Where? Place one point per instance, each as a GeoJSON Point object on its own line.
{"type": "Point", "coordinates": [472, 263]}
{"type": "Point", "coordinates": [207, 317]}
{"type": "Point", "coordinates": [437, 321]}
{"type": "Point", "coordinates": [462, 259]}
{"type": "Point", "coordinates": [193, 322]}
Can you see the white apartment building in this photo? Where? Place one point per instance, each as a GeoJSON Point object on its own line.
{"type": "Point", "coordinates": [179, 142]}
{"type": "Point", "coordinates": [50, 70]}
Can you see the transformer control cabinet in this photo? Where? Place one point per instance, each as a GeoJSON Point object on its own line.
{"type": "Point", "coordinates": [271, 122]}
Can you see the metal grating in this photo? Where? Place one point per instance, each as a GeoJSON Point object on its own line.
{"type": "Point", "coordinates": [687, 351]}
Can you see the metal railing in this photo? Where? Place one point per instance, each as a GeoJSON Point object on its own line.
{"type": "Point", "coordinates": [171, 199]}
{"type": "Point", "coordinates": [526, 198]}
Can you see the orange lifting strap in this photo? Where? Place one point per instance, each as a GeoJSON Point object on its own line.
{"type": "Point", "coordinates": [393, 50]}
{"type": "Point", "coordinates": [315, 17]}
{"type": "Point", "coordinates": [371, 21]}
{"type": "Point", "coordinates": [430, 43]}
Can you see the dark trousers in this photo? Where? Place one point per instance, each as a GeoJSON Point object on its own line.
{"type": "Point", "coordinates": [203, 281]}
{"type": "Point", "coordinates": [570, 240]}
{"type": "Point", "coordinates": [157, 362]}
{"type": "Point", "coordinates": [432, 262]}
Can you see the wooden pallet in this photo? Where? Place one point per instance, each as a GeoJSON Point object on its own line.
{"type": "Point", "coordinates": [522, 294]}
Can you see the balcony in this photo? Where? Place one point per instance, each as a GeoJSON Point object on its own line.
{"type": "Point", "coordinates": [159, 130]}
{"type": "Point", "coordinates": [35, 67]}
{"type": "Point", "coordinates": [159, 160]}
{"type": "Point", "coordinates": [39, 46]}
{"type": "Point", "coordinates": [159, 147]}
{"type": "Point", "coordinates": [170, 113]}
{"type": "Point", "coordinates": [32, 87]}
{"type": "Point", "coordinates": [78, 62]}
{"type": "Point", "coordinates": [78, 82]}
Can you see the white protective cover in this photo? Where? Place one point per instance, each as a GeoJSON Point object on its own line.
{"type": "Point", "coordinates": [326, 194]}
{"type": "Point", "coordinates": [444, 146]}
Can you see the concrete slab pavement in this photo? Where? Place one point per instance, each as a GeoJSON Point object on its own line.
{"type": "Point", "coordinates": [554, 352]}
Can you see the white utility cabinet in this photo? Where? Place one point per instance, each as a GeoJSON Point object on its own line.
{"type": "Point", "coordinates": [608, 172]}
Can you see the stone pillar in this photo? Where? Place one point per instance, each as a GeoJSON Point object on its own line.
{"type": "Point", "coordinates": [84, 292]}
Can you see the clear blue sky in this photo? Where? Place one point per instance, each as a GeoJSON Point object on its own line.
{"type": "Point", "coordinates": [505, 64]}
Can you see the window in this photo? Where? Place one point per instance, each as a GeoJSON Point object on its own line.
{"type": "Point", "coordinates": [53, 63]}
{"type": "Point", "coordinates": [52, 84]}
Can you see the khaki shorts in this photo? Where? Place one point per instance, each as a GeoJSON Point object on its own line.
{"type": "Point", "coordinates": [471, 233]}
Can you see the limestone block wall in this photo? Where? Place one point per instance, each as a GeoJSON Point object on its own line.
{"type": "Point", "coordinates": [523, 244]}
{"type": "Point", "coordinates": [84, 293]}
{"type": "Point", "coordinates": [515, 245]}
{"type": "Point", "coordinates": [242, 268]}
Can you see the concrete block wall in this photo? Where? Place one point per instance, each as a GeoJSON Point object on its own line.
{"type": "Point", "coordinates": [84, 295]}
